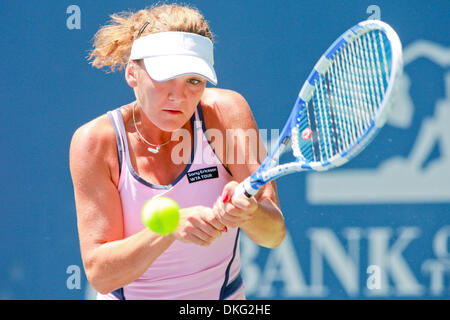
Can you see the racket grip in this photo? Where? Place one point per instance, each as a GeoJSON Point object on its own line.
{"type": "Point", "coordinates": [244, 188]}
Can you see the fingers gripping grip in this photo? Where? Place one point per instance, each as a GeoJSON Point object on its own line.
{"type": "Point", "coordinates": [244, 188]}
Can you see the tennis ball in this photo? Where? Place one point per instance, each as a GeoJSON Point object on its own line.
{"type": "Point", "coordinates": [161, 215]}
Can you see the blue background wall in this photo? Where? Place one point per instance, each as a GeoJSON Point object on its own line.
{"type": "Point", "coordinates": [399, 229]}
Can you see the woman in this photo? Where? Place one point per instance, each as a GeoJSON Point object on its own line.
{"type": "Point", "coordinates": [120, 160]}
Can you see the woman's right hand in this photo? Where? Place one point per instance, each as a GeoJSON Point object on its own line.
{"type": "Point", "coordinates": [198, 225]}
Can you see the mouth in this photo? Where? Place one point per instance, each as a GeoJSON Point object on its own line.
{"type": "Point", "coordinates": [172, 112]}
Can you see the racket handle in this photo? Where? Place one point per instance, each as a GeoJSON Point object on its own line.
{"type": "Point", "coordinates": [244, 188]}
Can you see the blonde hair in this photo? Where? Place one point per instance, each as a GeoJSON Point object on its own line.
{"type": "Point", "coordinates": [112, 42]}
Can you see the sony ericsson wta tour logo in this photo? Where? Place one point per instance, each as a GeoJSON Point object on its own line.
{"type": "Point", "coordinates": [422, 173]}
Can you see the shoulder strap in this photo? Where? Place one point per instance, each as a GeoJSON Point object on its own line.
{"type": "Point", "coordinates": [116, 119]}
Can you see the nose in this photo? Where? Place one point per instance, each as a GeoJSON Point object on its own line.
{"type": "Point", "coordinates": [177, 89]}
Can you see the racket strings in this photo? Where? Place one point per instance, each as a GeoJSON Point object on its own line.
{"type": "Point", "coordinates": [346, 97]}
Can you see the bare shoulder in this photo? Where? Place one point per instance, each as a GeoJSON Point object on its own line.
{"type": "Point", "coordinates": [223, 96]}
{"type": "Point", "coordinates": [93, 136]}
{"type": "Point", "coordinates": [93, 144]}
{"type": "Point", "coordinates": [226, 108]}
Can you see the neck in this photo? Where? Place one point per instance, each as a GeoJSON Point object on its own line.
{"type": "Point", "coordinates": [149, 135]}
{"type": "Point", "coordinates": [147, 131]}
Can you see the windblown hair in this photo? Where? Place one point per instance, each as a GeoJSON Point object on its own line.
{"type": "Point", "coordinates": [113, 42]}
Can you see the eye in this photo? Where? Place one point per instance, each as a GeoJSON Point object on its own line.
{"type": "Point", "coordinates": [195, 81]}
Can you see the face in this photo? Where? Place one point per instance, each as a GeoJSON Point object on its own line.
{"type": "Point", "coordinates": [167, 104]}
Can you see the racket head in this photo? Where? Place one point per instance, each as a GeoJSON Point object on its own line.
{"type": "Point", "coordinates": [362, 86]}
{"type": "Point", "coordinates": [347, 96]}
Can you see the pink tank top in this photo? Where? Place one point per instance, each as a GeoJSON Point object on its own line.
{"type": "Point", "coordinates": [183, 271]}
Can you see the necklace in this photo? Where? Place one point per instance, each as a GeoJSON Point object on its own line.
{"type": "Point", "coordinates": [154, 148]}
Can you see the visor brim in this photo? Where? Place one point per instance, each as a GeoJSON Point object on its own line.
{"type": "Point", "coordinates": [164, 68]}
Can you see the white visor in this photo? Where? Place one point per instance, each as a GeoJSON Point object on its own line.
{"type": "Point", "coordinates": [168, 55]}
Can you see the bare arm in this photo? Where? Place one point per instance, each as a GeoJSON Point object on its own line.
{"type": "Point", "coordinates": [260, 217]}
{"type": "Point", "coordinates": [110, 260]}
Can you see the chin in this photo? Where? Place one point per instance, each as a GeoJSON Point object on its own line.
{"type": "Point", "coordinates": [171, 126]}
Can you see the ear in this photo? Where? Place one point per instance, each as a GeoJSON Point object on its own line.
{"type": "Point", "coordinates": [131, 73]}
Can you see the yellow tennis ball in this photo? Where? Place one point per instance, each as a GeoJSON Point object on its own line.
{"type": "Point", "coordinates": [161, 215]}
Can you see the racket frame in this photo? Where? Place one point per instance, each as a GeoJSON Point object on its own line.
{"type": "Point", "coordinates": [269, 170]}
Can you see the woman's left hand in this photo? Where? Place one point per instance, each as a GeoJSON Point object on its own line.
{"type": "Point", "coordinates": [234, 213]}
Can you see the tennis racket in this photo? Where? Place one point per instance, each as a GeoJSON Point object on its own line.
{"type": "Point", "coordinates": [341, 106]}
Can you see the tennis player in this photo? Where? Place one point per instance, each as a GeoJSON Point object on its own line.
{"type": "Point", "coordinates": [121, 159]}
